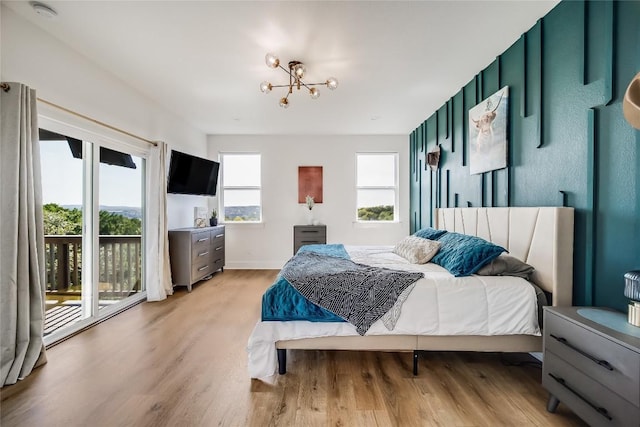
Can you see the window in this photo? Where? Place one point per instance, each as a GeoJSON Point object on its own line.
{"type": "Point", "coordinates": [241, 195]}
{"type": "Point", "coordinates": [376, 186]}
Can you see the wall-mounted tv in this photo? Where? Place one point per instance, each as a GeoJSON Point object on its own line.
{"type": "Point", "coordinates": [192, 175]}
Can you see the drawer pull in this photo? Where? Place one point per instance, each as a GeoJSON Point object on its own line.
{"type": "Point", "coordinates": [203, 268]}
{"type": "Point", "coordinates": [309, 241]}
{"type": "Point", "coordinates": [219, 249]}
{"type": "Point", "coordinates": [600, 362]}
{"type": "Point", "coordinates": [219, 235]}
{"type": "Point", "coordinates": [310, 231]}
{"type": "Point", "coordinates": [204, 253]}
{"type": "Point", "coordinates": [602, 411]}
{"type": "Point", "coordinates": [203, 240]}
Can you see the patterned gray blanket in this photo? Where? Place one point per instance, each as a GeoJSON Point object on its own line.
{"type": "Point", "coordinates": [360, 294]}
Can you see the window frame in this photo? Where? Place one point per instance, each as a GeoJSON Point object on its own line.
{"type": "Point", "coordinates": [223, 187]}
{"type": "Point", "coordinates": [395, 187]}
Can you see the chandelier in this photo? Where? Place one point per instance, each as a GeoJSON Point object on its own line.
{"type": "Point", "coordinates": [296, 72]}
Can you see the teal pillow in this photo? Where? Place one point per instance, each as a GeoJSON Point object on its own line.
{"type": "Point", "coordinates": [463, 255]}
{"type": "Point", "coordinates": [430, 233]}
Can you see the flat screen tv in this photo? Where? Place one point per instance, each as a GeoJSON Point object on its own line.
{"type": "Point", "coordinates": [192, 175]}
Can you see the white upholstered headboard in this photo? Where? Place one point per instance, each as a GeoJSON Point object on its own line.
{"type": "Point", "coordinates": [540, 236]}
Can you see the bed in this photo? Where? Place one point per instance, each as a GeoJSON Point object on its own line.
{"type": "Point", "coordinates": [540, 236]}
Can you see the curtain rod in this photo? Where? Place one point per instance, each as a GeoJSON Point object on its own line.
{"type": "Point", "coordinates": [6, 87]}
{"type": "Point", "coordinates": [44, 101]}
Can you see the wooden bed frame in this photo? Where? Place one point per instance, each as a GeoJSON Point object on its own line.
{"type": "Point", "coordinates": [539, 236]}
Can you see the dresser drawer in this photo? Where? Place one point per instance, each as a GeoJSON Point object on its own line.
{"type": "Point", "coordinates": [585, 396]}
{"type": "Point", "coordinates": [200, 242]}
{"type": "Point", "coordinates": [312, 231]}
{"type": "Point", "coordinates": [218, 238]}
{"type": "Point", "coordinates": [311, 240]}
{"type": "Point", "coordinates": [200, 254]}
{"type": "Point", "coordinates": [217, 257]}
{"type": "Point", "coordinates": [614, 366]}
{"type": "Point", "coordinates": [202, 269]}
{"type": "Point", "coordinates": [217, 264]}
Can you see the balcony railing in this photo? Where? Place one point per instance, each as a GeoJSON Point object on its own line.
{"type": "Point", "coordinates": [119, 273]}
{"type": "Point", "coordinates": [119, 266]}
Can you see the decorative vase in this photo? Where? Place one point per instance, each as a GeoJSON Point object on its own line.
{"type": "Point", "coordinates": [213, 222]}
{"type": "Point", "coordinates": [309, 217]}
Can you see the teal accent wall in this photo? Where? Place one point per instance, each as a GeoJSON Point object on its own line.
{"type": "Point", "coordinates": [569, 144]}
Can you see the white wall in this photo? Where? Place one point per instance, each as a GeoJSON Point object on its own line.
{"type": "Point", "coordinates": [270, 245]}
{"type": "Point", "coordinates": [62, 76]}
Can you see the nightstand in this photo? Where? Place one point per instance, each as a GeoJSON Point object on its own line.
{"type": "Point", "coordinates": [308, 235]}
{"type": "Point", "coordinates": [592, 364]}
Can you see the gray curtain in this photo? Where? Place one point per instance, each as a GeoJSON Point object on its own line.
{"type": "Point", "coordinates": [22, 270]}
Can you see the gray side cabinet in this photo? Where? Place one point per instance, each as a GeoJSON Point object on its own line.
{"type": "Point", "coordinates": [195, 253]}
{"type": "Point", "coordinates": [308, 235]}
{"type": "Point", "coordinates": [590, 367]}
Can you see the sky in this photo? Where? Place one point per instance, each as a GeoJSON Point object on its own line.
{"type": "Point", "coordinates": [62, 179]}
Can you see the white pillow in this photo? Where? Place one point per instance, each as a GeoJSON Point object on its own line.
{"type": "Point", "coordinates": [416, 250]}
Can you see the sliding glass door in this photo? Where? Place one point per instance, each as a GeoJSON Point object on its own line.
{"type": "Point", "coordinates": [93, 210]}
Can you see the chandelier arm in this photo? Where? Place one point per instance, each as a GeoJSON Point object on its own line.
{"type": "Point", "coordinates": [290, 84]}
{"type": "Point", "coordinates": [303, 84]}
{"type": "Point", "coordinates": [284, 69]}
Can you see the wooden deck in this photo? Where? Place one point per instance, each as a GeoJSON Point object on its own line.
{"type": "Point", "coordinates": [65, 314]}
{"type": "Point", "coordinates": [61, 316]}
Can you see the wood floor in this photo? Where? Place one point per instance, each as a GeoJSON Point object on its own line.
{"type": "Point", "coordinates": [182, 362]}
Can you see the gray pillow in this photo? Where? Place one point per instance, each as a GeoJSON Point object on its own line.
{"type": "Point", "coordinates": [506, 265]}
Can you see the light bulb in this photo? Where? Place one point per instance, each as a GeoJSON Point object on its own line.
{"type": "Point", "coordinates": [299, 70]}
{"type": "Point", "coordinates": [265, 87]}
{"type": "Point", "coordinates": [315, 93]}
{"type": "Point", "coordinates": [284, 103]}
{"type": "Point", "coordinates": [332, 83]}
{"type": "Point", "coordinates": [271, 60]}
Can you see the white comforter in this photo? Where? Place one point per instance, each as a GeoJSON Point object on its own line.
{"type": "Point", "coordinates": [439, 304]}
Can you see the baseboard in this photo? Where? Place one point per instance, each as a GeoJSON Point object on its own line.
{"type": "Point", "coordinates": [254, 265]}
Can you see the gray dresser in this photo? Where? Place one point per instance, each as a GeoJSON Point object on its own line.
{"type": "Point", "coordinates": [195, 253]}
{"type": "Point", "coordinates": [308, 235]}
{"type": "Point", "coordinates": [592, 368]}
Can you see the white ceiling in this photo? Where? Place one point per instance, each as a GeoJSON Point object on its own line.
{"type": "Point", "coordinates": [396, 61]}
